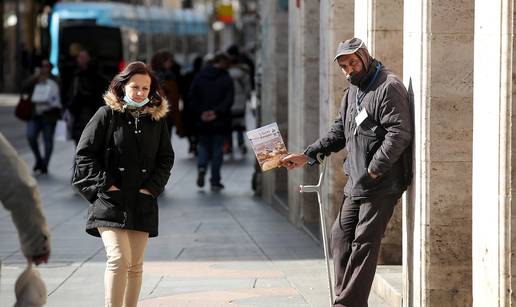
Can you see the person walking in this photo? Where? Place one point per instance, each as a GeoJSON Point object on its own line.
{"type": "Point", "coordinates": [188, 115]}
{"type": "Point", "coordinates": [376, 127]}
{"type": "Point", "coordinates": [84, 96]}
{"type": "Point", "coordinates": [211, 97]}
{"type": "Point", "coordinates": [128, 181]}
{"type": "Point", "coordinates": [239, 72]}
{"type": "Point", "coordinates": [44, 92]}
{"type": "Point", "coordinates": [162, 64]}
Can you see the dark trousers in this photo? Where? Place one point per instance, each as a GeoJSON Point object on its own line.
{"type": "Point", "coordinates": [35, 126]}
{"type": "Point", "coordinates": [210, 151]}
{"type": "Point", "coordinates": [355, 243]}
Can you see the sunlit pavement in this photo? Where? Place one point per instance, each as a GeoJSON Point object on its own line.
{"type": "Point", "coordinates": [213, 249]}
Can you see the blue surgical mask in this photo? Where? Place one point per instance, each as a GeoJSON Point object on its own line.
{"type": "Point", "coordinates": [132, 103]}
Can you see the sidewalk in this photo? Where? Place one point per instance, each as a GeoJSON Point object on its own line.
{"type": "Point", "coordinates": [213, 249]}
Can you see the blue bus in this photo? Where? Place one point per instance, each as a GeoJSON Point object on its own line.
{"type": "Point", "coordinates": [117, 33]}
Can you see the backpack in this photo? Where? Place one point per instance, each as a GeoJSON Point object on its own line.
{"type": "Point", "coordinates": [88, 188]}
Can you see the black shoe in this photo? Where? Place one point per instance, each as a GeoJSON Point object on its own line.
{"type": "Point", "coordinates": [200, 178]}
{"type": "Point", "coordinates": [38, 166]}
{"type": "Point", "coordinates": [217, 186]}
{"type": "Point", "coordinates": [44, 169]}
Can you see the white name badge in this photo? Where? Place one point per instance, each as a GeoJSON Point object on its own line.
{"type": "Point", "coordinates": [361, 117]}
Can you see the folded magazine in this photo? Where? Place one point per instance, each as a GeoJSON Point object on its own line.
{"type": "Point", "coordinates": [267, 145]}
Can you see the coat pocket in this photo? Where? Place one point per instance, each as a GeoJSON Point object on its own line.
{"type": "Point", "coordinates": [108, 207]}
{"type": "Point", "coordinates": [147, 205]}
{"type": "Point", "coordinates": [366, 143]}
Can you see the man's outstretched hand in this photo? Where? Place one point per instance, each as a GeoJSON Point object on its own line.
{"type": "Point", "coordinates": [43, 256]}
{"type": "Point", "coordinates": [39, 259]}
{"type": "Point", "coordinates": [294, 160]}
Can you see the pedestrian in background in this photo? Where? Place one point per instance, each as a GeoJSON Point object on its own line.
{"type": "Point", "coordinates": [243, 56]}
{"type": "Point", "coordinates": [239, 72]}
{"type": "Point", "coordinates": [376, 127]}
{"type": "Point", "coordinates": [128, 181]}
{"type": "Point", "coordinates": [162, 64]}
{"type": "Point", "coordinates": [45, 95]}
{"type": "Point", "coordinates": [85, 94]}
{"type": "Point", "coordinates": [211, 97]}
{"type": "Point", "coordinates": [188, 114]}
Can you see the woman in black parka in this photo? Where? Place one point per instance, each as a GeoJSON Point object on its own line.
{"type": "Point", "coordinates": [129, 179]}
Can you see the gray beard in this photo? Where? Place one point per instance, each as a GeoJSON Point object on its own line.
{"type": "Point", "coordinates": [357, 78]}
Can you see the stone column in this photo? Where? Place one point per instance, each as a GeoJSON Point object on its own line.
{"type": "Point", "coordinates": [303, 107]}
{"type": "Point", "coordinates": [380, 25]}
{"type": "Point", "coordinates": [438, 58]}
{"type": "Point", "coordinates": [336, 25]}
{"type": "Point", "coordinates": [493, 140]}
{"type": "Point", "coordinates": [274, 97]}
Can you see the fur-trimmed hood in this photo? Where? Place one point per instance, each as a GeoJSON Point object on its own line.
{"type": "Point", "coordinates": [155, 112]}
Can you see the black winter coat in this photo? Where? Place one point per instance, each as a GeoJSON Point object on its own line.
{"type": "Point", "coordinates": [212, 90]}
{"type": "Point", "coordinates": [379, 143]}
{"type": "Point", "coordinates": [142, 157]}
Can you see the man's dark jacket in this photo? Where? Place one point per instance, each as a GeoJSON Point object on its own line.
{"type": "Point", "coordinates": [212, 90]}
{"type": "Point", "coordinates": [380, 143]}
{"type": "Point", "coordinates": [85, 98]}
{"type": "Point", "coordinates": [142, 159]}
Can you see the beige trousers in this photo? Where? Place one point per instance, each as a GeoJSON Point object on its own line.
{"type": "Point", "coordinates": [124, 266]}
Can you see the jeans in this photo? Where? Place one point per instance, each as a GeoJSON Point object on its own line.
{"type": "Point", "coordinates": [123, 276]}
{"type": "Point", "coordinates": [210, 149]}
{"type": "Point", "coordinates": [35, 126]}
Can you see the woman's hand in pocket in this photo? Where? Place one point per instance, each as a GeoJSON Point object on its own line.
{"type": "Point", "coordinates": [113, 188]}
{"type": "Point", "coordinates": [145, 191]}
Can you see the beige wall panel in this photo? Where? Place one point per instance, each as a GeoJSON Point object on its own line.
{"type": "Point", "coordinates": [438, 57]}
{"type": "Point", "coordinates": [452, 136]}
{"type": "Point", "coordinates": [452, 75]}
{"type": "Point", "coordinates": [454, 275]}
{"type": "Point", "coordinates": [449, 298]}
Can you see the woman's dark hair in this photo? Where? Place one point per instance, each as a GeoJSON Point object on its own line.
{"type": "Point", "coordinates": [159, 58]}
{"type": "Point", "coordinates": [136, 68]}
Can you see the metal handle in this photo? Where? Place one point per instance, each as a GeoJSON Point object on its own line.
{"type": "Point", "coordinates": [317, 189]}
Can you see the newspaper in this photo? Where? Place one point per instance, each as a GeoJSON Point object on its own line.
{"type": "Point", "coordinates": [268, 146]}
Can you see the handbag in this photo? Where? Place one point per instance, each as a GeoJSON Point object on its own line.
{"type": "Point", "coordinates": [88, 187]}
{"type": "Point", "coordinates": [23, 109]}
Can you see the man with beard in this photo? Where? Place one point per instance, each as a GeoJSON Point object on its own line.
{"type": "Point", "coordinates": [375, 125]}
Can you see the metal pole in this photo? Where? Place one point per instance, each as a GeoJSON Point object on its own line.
{"type": "Point", "coordinates": [317, 189]}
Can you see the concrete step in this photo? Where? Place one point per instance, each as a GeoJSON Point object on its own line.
{"type": "Point", "coordinates": [388, 284]}
{"type": "Point", "coordinates": [376, 301]}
